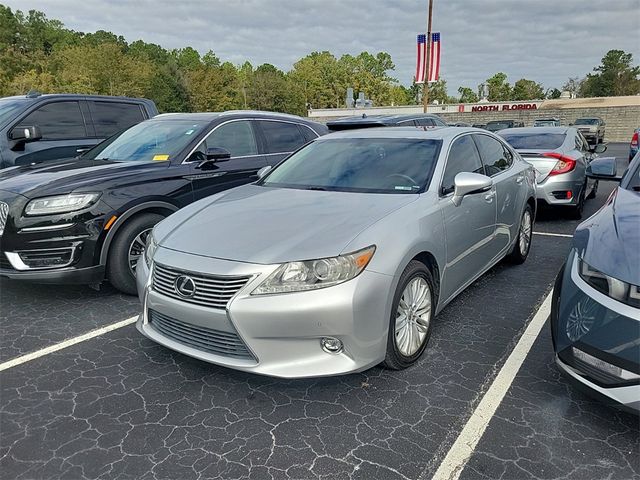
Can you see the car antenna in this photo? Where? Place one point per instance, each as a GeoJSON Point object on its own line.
{"type": "Point", "coordinates": [364, 115]}
{"type": "Point", "coordinates": [33, 94]}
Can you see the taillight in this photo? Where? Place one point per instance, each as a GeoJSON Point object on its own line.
{"type": "Point", "coordinates": [563, 165]}
{"type": "Point", "coordinates": [634, 139]}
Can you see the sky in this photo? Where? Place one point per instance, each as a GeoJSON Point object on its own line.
{"type": "Point", "coordinates": [544, 40]}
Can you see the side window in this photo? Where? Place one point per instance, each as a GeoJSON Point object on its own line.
{"type": "Point", "coordinates": [463, 157]}
{"type": "Point", "coordinates": [495, 156]}
{"type": "Point", "coordinates": [281, 137]}
{"type": "Point", "coordinates": [237, 137]}
{"type": "Point", "coordinates": [408, 123]}
{"type": "Point", "coordinates": [307, 133]}
{"type": "Point", "coordinates": [110, 117]}
{"type": "Point", "coordinates": [57, 121]}
{"type": "Point", "coordinates": [425, 122]}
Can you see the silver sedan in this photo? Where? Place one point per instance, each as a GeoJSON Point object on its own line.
{"type": "Point", "coordinates": [340, 257]}
{"type": "Point", "coordinates": [560, 156]}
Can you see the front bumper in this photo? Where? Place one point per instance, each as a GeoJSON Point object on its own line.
{"type": "Point", "coordinates": [549, 190]}
{"type": "Point", "coordinates": [585, 321]}
{"type": "Point", "coordinates": [281, 332]}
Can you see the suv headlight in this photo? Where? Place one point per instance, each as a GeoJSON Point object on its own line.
{"type": "Point", "coordinates": [612, 287]}
{"type": "Point", "coordinates": [314, 274]}
{"type": "Point", "coordinates": [150, 249]}
{"type": "Point", "coordinates": [60, 203]}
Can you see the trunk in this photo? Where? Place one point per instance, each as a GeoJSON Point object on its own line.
{"type": "Point", "coordinates": [543, 165]}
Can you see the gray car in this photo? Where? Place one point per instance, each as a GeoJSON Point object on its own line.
{"type": "Point", "coordinates": [340, 257]}
{"type": "Point", "coordinates": [592, 128]}
{"type": "Point", "coordinates": [560, 156]}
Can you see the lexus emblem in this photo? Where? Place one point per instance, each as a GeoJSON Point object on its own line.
{"type": "Point", "coordinates": [185, 286]}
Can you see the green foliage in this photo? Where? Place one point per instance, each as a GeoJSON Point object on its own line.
{"type": "Point", "coordinates": [616, 75]}
{"type": "Point", "coordinates": [499, 88]}
{"type": "Point", "coordinates": [525, 89]}
{"type": "Point", "coordinates": [467, 95]}
{"type": "Point", "coordinates": [553, 93]}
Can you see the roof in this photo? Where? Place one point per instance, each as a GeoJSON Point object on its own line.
{"type": "Point", "coordinates": [536, 130]}
{"type": "Point", "coordinates": [381, 119]}
{"type": "Point", "coordinates": [229, 113]}
{"type": "Point", "coordinates": [42, 96]}
{"type": "Point", "coordinates": [436, 133]}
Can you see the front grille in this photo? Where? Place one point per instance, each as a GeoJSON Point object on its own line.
{"type": "Point", "coordinates": [5, 264]}
{"type": "Point", "coordinates": [4, 213]}
{"type": "Point", "coordinates": [208, 340]}
{"type": "Point", "coordinates": [210, 290]}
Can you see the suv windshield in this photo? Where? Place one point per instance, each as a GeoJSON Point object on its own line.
{"type": "Point", "coordinates": [374, 165]}
{"type": "Point", "coordinates": [8, 109]}
{"type": "Point", "coordinates": [534, 141]}
{"type": "Point", "coordinates": [495, 126]}
{"type": "Point", "coordinates": [587, 121]}
{"type": "Point", "coordinates": [545, 123]}
{"type": "Point", "coordinates": [153, 140]}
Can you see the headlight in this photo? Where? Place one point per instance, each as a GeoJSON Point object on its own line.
{"type": "Point", "coordinates": [612, 287]}
{"type": "Point", "coordinates": [60, 203]}
{"type": "Point", "coordinates": [150, 249]}
{"type": "Point", "coordinates": [314, 274]}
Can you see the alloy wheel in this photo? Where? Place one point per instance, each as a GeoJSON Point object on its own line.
{"type": "Point", "coordinates": [137, 248]}
{"type": "Point", "coordinates": [413, 316]}
{"type": "Point", "coordinates": [525, 232]}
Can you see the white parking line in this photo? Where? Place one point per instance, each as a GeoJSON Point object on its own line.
{"type": "Point", "coordinates": [549, 234]}
{"type": "Point", "coordinates": [462, 449]}
{"type": "Point", "coordinates": [67, 343]}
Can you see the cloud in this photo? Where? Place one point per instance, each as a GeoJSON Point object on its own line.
{"type": "Point", "coordinates": [544, 40]}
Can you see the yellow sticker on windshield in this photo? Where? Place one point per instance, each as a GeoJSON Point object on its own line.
{"type": "Point", "coordinates": [160, 158]}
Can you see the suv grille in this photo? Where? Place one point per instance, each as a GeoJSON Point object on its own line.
{"type": "Point", "coordinates": [210, 290]}
{"type": "Point", "coordinates": [4, 213]}
{"type": "Point", "coordinates": [205, 339]}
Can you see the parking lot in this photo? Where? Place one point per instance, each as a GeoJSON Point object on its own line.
{"type": "Point", "coordinates": [119, 405]}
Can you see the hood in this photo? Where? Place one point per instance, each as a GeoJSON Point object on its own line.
{"type": "Point", "coordinates": [609, 241]}
{"type": "Point", "coordinates": [268, 225]}
{"type": "Point", "coordinates": [65, 176]}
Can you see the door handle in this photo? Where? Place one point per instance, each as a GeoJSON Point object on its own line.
{"type": "Point", "coordinates": [519, 179]}
{"type": "Point", "coordinates": [489, 196]}
{"type": "Point", "coordinates": [82, 149]}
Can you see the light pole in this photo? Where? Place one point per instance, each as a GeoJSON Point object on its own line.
{"type": "Point", "coordinates": [425, 86]}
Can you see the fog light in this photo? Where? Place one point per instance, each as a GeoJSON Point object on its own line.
{"type": "Point", "coordinates": [331, 345]}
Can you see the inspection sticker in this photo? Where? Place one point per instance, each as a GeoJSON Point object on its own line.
{"type": "Point", "coordinates": [160, 158]}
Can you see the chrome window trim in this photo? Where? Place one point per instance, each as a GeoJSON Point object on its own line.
{"type": "Point", "coordinates": [446, 161]}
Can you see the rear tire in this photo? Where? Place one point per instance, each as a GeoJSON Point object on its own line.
{"type": "Point", "coordinates": [576, 212]}
{"type": "Point", "coordinates": [127, 246]}
{"type": "Point", "coordinates": [522, 247]}
{"type": "Point", "coordinates": [411, 317]}
{"type": "Point", "coordinates": [594, 191]}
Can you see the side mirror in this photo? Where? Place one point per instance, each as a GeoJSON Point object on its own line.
{"type": "Point", "coordinates": [218, 154]}
{"type": "Point", "coordinates": [264, 170]}
{"type": "Point", "coordinates": [600, 148]}
{"type": "Point", "coordinates": [26, 134]}
{"type": "Point", "coordinates": [467, 183]}
{"type": "Point", "coordinates": [604, 168]}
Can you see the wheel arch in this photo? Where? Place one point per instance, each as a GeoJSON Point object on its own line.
{"type": "Point", "coordinates": [429, 260]}
{"type": "Point", "coordinates": [159, 207]}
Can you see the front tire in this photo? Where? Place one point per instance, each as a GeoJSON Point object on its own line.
{"type": "Point", "coordinates": [594, 190]}
{"type": "Point", "coordinates": [522, 247]}
{"type": "Point", "coordinates": [411, 317]}
{"type": "Point", "coordinates": [127, 247]}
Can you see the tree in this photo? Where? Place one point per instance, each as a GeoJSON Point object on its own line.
{"type": "Point", "coordinates": [467, 95]}
{"type": "Point", "coordinates": [614, 76]}
{"type": "Point", "coordinates": [499, 88]}
{"type": "Point", "coordinates": [573, 85]}
{"type": "Point", "coordinates": [553, 93]}
{"type": "Point", "coordinates": [270, 89]}
{"type": "Point", "coordinates": [525, 89]}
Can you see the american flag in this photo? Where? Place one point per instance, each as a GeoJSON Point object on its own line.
{"type": "Point", "coordinates": [434, 58]}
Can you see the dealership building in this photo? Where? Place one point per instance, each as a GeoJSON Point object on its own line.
{"type": "Point", "coordinates": [621, 114]}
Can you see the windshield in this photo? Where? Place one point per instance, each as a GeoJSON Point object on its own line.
{"type": "Point", "coordinates": [534, 141]}
{"type": "Point", "coordinates": [159, 140]}
{"type": "Point", "coordinates": [9, 108]}
{"type": "Point", "coordinates": [545, 123]}
{"type": "Point", "coordinates": [375, 165]}
{"type": "Point", "coordinates": [495, 126]}
{"type": "Point", "coordinates": [587, 121]}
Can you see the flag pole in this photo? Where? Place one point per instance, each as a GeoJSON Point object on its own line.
{"type": "Point", "coordinates": [425, 86]}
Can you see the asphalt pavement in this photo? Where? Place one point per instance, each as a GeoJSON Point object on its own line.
{"type": "Point", "coordinates": [121, 406]}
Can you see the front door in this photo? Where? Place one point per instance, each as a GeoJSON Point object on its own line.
{"type": "Point", "coordinates": [469, 227]}
{"type": "Point", "coordinates": [238, 137]}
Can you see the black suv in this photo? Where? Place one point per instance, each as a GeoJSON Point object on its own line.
{"type": "Point", "coordinates": [404, 120]}
{"type": "Point", "coordinates": [37, 128]}
{"type": "Point", "coordinates": [86, 219]}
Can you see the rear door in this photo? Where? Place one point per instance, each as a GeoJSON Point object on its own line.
{"type": "Point", "coordinates": [109, 117]}
{"type": "Point", "coordinates": [469, 227]}
{"type": "Point", "coordinates": [507, 185]}
{"type": "Point", "coordinates": [280, 138]}
{"type": "Point", "coordinates": [64, 131]}
{"type": "Point", "coordinates": [239, 138]}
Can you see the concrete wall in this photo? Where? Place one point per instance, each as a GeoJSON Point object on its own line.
{"type": "Point", "coordinates": [620, 121]}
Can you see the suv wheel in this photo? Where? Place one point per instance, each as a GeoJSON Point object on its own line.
{"type": "Point", "coordinates": [127, 248]}
{"type": "Point", "coordinates": [411, 317]}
